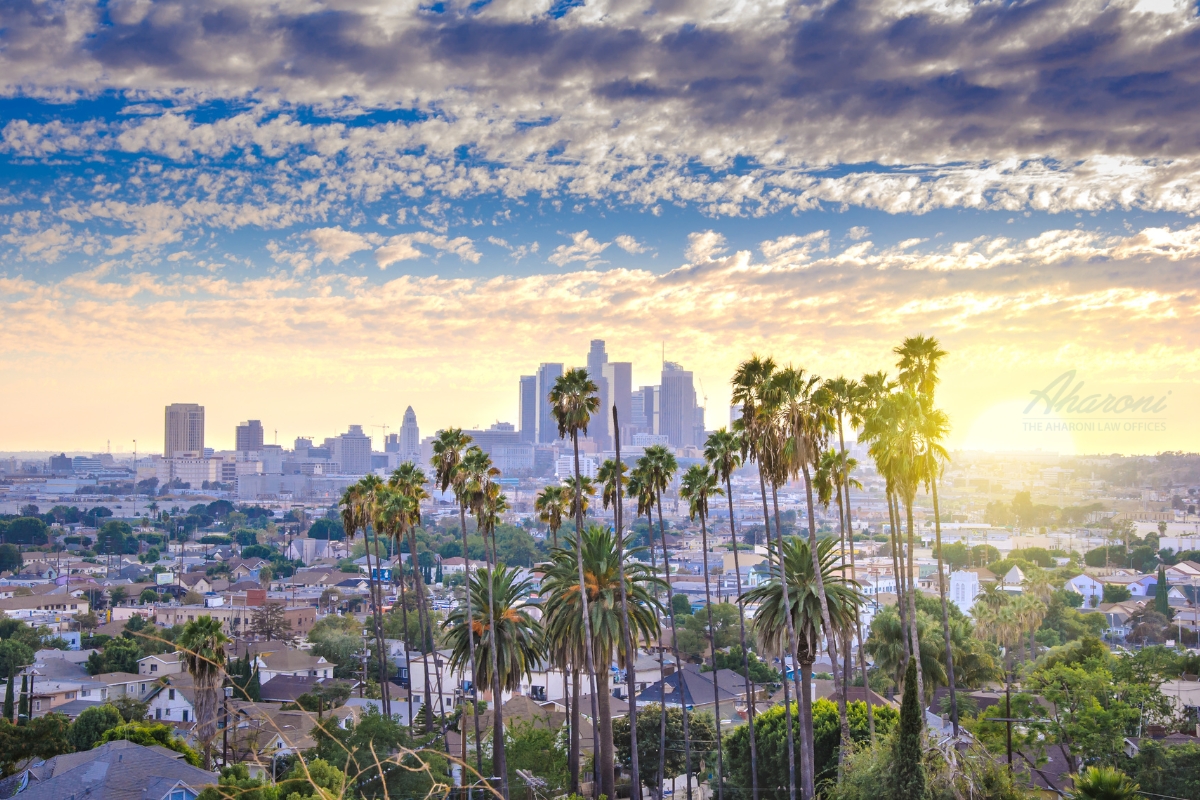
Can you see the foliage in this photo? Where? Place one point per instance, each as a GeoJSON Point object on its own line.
{"type": "Point", "coordinates": [359, 747]}
{"type": "Point", "coordinates": [1166, 771]}
{"type": "Point", "coordinates": [41, 737]}
{"type": "Point", "coordinates": [313, 779]}
{"type": "Point", "coordinates": [1103, 783]}
{"type": "Point", "coordinates": [118, 655]}
{"type": "Point", "coordinates": [14, 654]}
{"type": "Point", "coordinates": [130, 708]}
{"type": "Point", "coordinates": [339, 640]}
{"type": "Point", "coordinates": [26, 530]}
{"type": "Point", "coordinates": [771, 738]}
{"type": "Point", "coordinates": [149, 734]}
{"type": "Point", "coordinates": [10, 558]}
{"type": "Point", "coordinates": [701, 727]}
{"type": "Point", "coordinates": [908, 778]}
{"type": "Point", "coordinates": [760, 671]}
{"type": "Point", "coordinates": [1115, 593]}
{"type": "Point", "coordinates": [681, 605]}
{"type": "Point", "coordinates": [693, 636]}
{"type": "Point", "coordinates": [93, 723]}
{"type": "Point", "coordinates": [327, 529]}
{"type": "Point", "coordinates": [269, 622]}
{"type": "Point", "coordinates": [539, 750]}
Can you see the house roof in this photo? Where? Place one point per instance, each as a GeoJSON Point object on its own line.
{"type": "Point", "coordinates": [112, 678]}
{"type": "Point", "coordinates": [286, 688]}
{"type": "Point", "coordinates": [114, 771]}
{"type": "Point", "coordinates": [288, 659]}
{"type": "Point", "coordinates": [694, 688]}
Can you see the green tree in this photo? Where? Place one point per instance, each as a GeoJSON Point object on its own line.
{"type": "Point", "coordinates": [1103, 783]}
{"type": "Point", "coordinates": [149, 734]}
{"type": "Point", "coordinates": [118, 655]}
{"type": "Point", "coordinates": [203, 645]}
{"type": "Point", "coordinates": [681, 605]}
{"type": "Point", "coordinates": [92, 724]}
{"type": "Point", "coordinates": [269, 622]}
{"type": "Point", "coordinates": [702, 728]}
{"type": "Point", "coordinates": [26, 531]}
{"type": "Point", "coordinates": [737, 661]}
{"type": "Point", "coordinates": [1162, 603]}
{"type": "Point", "coordinates": [10, 558]}
{"type": "Point", "coordinates": [1115, 593]}
{"type": "Point", "coordinates": [39, 738]}
{"type": "Point", "coordinates": [1167, 771]}
{"type": "Point", "coordinates": [908, 782]}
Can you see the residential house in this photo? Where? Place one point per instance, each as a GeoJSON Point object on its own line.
{"type": "Point", "coordinates": [161, 665]}
{"type": "Point", "coordinates": [173, 701]}
{"type": "Point", "coordinates": [246, 568]}
{"type": "Point", "coordinates": [692, 688]}
{"type": "Point", "coordinates": [1136, 584]}
{"type": "Point", "coordinates": [285, 661]}
{"type": "Point", "coordinates": [49, 695]}
{"type": "Point", "coordinates": [1183, 572]}
{"type": "Point", "coordinates": [32, 606]}
{"type": "Point", "coordinates": [451, 566]}
{"type": "Point", "coordinates": [1091, 589]}
{"type": "Point", "coordinates": [119, 770]}
{"type": "Point", "coordinates": [125, 684]}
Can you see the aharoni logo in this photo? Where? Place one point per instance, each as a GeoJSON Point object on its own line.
{"type": "Point", "coordinates": [1078, 410]}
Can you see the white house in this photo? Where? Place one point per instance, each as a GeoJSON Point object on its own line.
{"type": "Point", "coordinates": [296, 663]}
{"type": "Point", "coordinates": [172, 703]}
{"type": "Point", "coordinates": [450, 566]}
{"type": "Point", "coordinates": [1091, 589]}
{"type": "Point", "coordinates": [964, 588]}
{"type": "Point", "coordinates": [160, 664]}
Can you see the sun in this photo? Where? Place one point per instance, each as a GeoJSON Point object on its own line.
{"type": "Point", "coordinates": [1004, 427]}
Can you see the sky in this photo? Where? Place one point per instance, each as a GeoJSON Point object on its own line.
{"type": "Point", "coordinates": [319, 213]}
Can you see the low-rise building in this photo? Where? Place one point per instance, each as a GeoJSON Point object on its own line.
{"type": "Point", "coordinates": [296, 663]}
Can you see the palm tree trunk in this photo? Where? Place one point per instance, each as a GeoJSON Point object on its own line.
{"type": "Point", "coordinates": [687, 735]}
{"type": "Point", "coordinates": [407, 643]}
{"type": "Point", "coordinates": [662, 670]}
{"type": "Point", "coordinates": [937, 530]}
{"type": "Point", "coordinates": [793, 653]}
{"type": "Point", "coordinates": [384, 694]}
{"type": "Point", "coordinates": [576, 753]}
{"type": "Point", "coordinates": [712, 647]}
{"type": "Point", "coordinates": [499, 767]}
{"type": "Point", "coordinates": [897, 546]}
{"type": "Point", "coordinates": [912, 600]}
{"type": "Point", "coordinates": [826, 620]}
{"type": "Point", "coordinates": [842, 696]}
{"type": "Point", "coordinates": [606, 756]}
{"type": "Point", "coordinates": [427, 632]}
{"type": "Point", "coordinates": [372, 588]}
{"type": "Point", "coordinates": [862, 659]}
{"type": "Point", "coordinates": [462, 523]}
{"type": "Point", "coordinates": [804, 712]}
{"type": "Point", "coordinates": [745, 653]}
{"type": "Point", "coordinates": [627, 640]}
{"type": "Point", "coordinates": [583, 600]}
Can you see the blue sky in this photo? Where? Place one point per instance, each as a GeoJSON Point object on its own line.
{"type": "Point", "coordinates": [254, 204]}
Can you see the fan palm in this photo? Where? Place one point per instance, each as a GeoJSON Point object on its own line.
{"type": "Point", "coordinates": [202, 643]}
{"type": "Point", "coordinates": [357, 512]}
{"type": "Point", "coordinates": [752, 384]}
{"type": "Point", "coordinates": [509, 640]}
{"type": "Point", "coordinates": [1104, 783]}
{"type": "Point", "coordinates": [579, 500]}
{"type": "Point", "coordinates": [393, 511]}
{"type": "Point", "coordinates": [573, 400]}
{"type": "Point", "coordinates": [698, 484]}
{"type": "Point", "coordinates": [723, 452]}
{"type": "Point", "coordinates": [551, 506]}
{"type": "Point", "coordinates": [818, 590]}
{"type": "Point", "coordinates": [658, 467]}
{"type": "Point", "coordinates": [600, 553]}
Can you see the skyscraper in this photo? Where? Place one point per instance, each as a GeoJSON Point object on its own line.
{"type": "Point", "coordinates": [410, 437]}
{"type": "Point", "coordinates": [547, 427]}
{"type": "Point", "coordinates": [618, 376]}
{"type": "Point", "coordinates": [527, 407]}
{"type": "Point", "coordinates": [184, 430]}
{"type": "Point", "coordinates": [598, 428]}
{"type": "Point", "coordinates": [678, 406]}
{"type": "Point", "coordinates": [249, 436]}
{"type": "Point", "coordinates": [351, 451]}
{"type": "Point", "coordinates": [646, 406]}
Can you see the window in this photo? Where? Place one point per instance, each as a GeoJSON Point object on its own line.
{"type": "Point", "coordinates": [143, 689]}
{"type": "Point", "coordinates": [185, 719]}
{"type": "Point", "coordinates": [171, 693]}
{"type": "Point", "coordinates": [537, 692]}
{"type": "Point", "coordinates": [158, 713]}
{"type": "Point", "coordinates": [154, 667]}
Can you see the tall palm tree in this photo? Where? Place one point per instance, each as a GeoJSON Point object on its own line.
{"type": "Point", "coordinates": [723, 452]}
{"type": "Point", "coordinates": [659, 466]}
{"type": "Point", "coordinates": [698, 484]}
{"type": "Point", "coordinates": [579, 499]}
{"type": "Point", "coordinates": [357, 511]}
{"type": "Point", "coordinates": [203, 644]}
{"type": "Point", "coordinates": [392, 513]}
{"type": "Point", "coordinates": [573, 400]}
{"type": "Point", "coordinates": [511, 642]}
{"type": "Point", "coordinates": [919, 359]}
{"type": "Point", "coordinates": [552, 505]}
{"type": "Point", "coordinates": [612, 475]}
{"type": "Point", "coordinates": [600, 552]}
{"type": "Point", "coordinates": [487, 503]}
{"type": "Point", "coordinates": [752, 390]}
{"type": "Point", "coordinates": [818, 591]}
{"type": "Point", "coordinates": [806, 422]}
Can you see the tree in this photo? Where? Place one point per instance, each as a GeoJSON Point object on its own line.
{"type": "Point", "coordinates": [600, 554]}
{"type": "Point", "coordinates": [1167, 771]}
{"type": "Point", "coordinates": [1162, 602]}
{"type": "Point", "coordinates": [552, 505]}
{"type": "Point", "coordinates": [329, 529]}
{"type": "Point", "coordinates": [358, 514]}
{"type": "Point", "coordinates": [269, 622]}
{"type": "Point", "coordinates": [40, 738]}
{"type": "Point", "coordinates": [681, 605]}
{"type": "Point", "coordinates": [10, 558]}
{"type": "Point", "coordinates": [736, 660]}
{"type": "Point", "coordinates": [27, 531]}
{"type": "Point", "coordinates": [150, 734]}
{"type": "Point", "coordinates": [573, 400]}
{"type": "Point", "coordinates": [1116, 593]}
{"type": "Point", "coordinates": [671, 747]}
{"type": "Point", "coordinates": [92, 724]}
{"type": "Point", "coordinates": [1103, 783]}
{"type": "Point", "coordinates": [148, 596]}
{"type": "Point", "coordinates": [203, 645]}
{"type": "Point", "coordinates": [909, 775]}
{"type": "Point", "coordinates": [118, 655]}
{"type": "Point", "coordinates": [130, 708]}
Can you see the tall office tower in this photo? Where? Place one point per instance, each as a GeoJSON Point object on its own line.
{"type": "Point", "coordinates": [646, 409]}
{"type": "Point", "coordinates": [410, 437]}
{"type": "Point", "coordinates": [678, 404]}
{"type": "Point", "coordinates": [599, 427]}
{"type": "Point", "coordinates": [527, 406]}
{"type": "Point", "coordinates": [547, 427]}
{"type": "Point", "coordinates": [184, 429]}
{"type": "Point", "coordinates": [249, 436]}
{"type": "Point", "coordinates": [391, 443]}
{"type": "Point", "coordinates": [618, 375]}
{"type": "Point", "coordinates": [351, 451]}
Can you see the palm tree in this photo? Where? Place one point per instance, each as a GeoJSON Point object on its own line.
{"type": "Point", "coordinates": [658, 466]}
{"type": "Point", "coordinates": [612, 474]}
{"type": "Point", "coordinates": [919, 359]}
{"type": "Point", "coordinates": [573, 400]}
{"type": "Point", "coordinates": [723, 452]}
{"type": "Point", "coordinates": [510, 640]}
{"type": "Point", "coordinates": [579, 499]}
{"type": "Point", "coordinates": [552, 505]}
{"type": "Point", "coordinates": [1103, 783]}
{"type": "Point", "coordinates": [698, 484]}
{"type": "Point", "coordinates": [357, 510]}
{"type": "Point", "coordinates": [599, 550]}
{"type": "Point", "coordinates": [752, 390]}
{"type": "Point", "coordinates": [814, 595]}
{"type": "Point", "coordinates": [203, 645]}
{"type": "Point", "coordinates": [807, 423]}
{"type": "Point", "coordinates": [392, 511]}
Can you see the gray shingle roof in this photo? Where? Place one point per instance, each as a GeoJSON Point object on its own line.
{"type": "Point", "coordinates": [114, 771]}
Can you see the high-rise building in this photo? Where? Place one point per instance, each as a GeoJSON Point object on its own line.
{"type": "Point", "coordinates": [184, 430]}
{"type": "Point", "coordinates": [547, 427]}
{"type": "Point", "coordinates": [599, 427]}
{"type": "Point", "coordinates": [351, 451]}
{"type": "Point", "coordinates": [678, 406]}
{"type": "Point", "coordinates": [527, 407]}
{"type": "Point", "coordinates": [410, 437]}
{"type": "Point", "coordinates": [249, 436]}
{"type": "Point", "coordinates": [391, 443]}
{"type": "Point", "coordinates": [618, 375]}
{"type": "Point", "coordinates": [645, 406]}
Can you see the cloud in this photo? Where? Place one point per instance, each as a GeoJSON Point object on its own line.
{"type": "Point", "coordinates": [630, 244]}
{"type": "Point", "coordinates": [858, 232]}
{"type": "Point", "coordinates": [336, 244]}
{"type": "Point", "coordinates": [704, 246]}
{"type": "Point", "coordinates": [582, 248]}
{"type": "Point", "coordinates": [403, 248]}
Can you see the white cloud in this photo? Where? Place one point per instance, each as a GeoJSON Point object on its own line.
{"type": "Point", "coordinates": [858, 232]}
{"type": "Point", "coordinates": [336, 244]}
{"type": "Point", "coordinates": [630, 244]}
{"type": "Point", "coordinates": [582, 248]}
{"type": "Point", "coordinates": [704, 246]}
{"type": "Point", "coordinates": [403, 248]}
